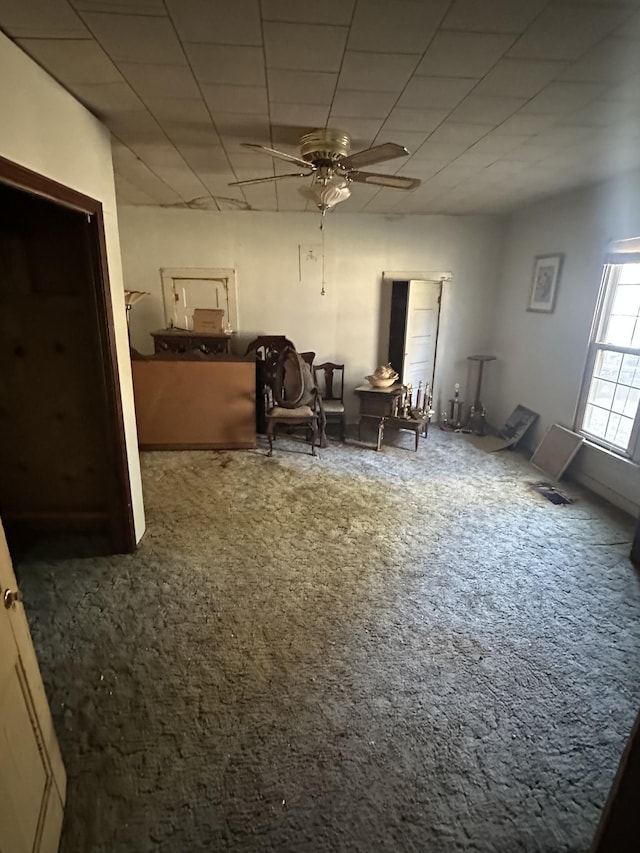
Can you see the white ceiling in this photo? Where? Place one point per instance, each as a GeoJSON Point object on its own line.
{"type": "Point", "coordinates": [499, 101]}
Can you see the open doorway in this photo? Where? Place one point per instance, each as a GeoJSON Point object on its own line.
{"type": "Point", "coordinates": [63, 466]}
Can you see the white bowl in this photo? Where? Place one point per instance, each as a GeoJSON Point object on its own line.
{"type": "Point", "coordinates": [381, 381]}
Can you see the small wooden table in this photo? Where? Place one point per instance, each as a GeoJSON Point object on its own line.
{"type": "Point", "coordinates": [377, 404]}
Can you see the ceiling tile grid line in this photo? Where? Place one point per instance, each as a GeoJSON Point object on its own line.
{"type": "Point", "coordinates": [465, 86]}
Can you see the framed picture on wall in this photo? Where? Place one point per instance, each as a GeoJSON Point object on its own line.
{"type": "Point", "coordinates": [544, 286]}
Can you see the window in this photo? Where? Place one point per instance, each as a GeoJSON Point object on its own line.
{"type": "Point", "coordinates": [609, 413]}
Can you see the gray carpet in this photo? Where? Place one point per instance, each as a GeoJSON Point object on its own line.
{"type": "Point", "coordinates": [362, 652]}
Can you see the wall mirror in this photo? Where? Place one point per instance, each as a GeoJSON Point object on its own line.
{"type": "Point", "coordinates": [186, 288]}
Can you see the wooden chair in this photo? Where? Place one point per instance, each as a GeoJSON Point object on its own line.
{"type": "Point", "coordinates": [331, 388]}
{"type": "Point", "coordinates": [292, 400]}
{"type": "Point", "coordinates": [266, 349]}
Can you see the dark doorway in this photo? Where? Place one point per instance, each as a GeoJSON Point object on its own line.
{"type": "Point", "coordinates": [63, 465]}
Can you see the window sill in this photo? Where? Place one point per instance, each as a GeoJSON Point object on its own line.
{"type": "Point", "coordinates": [611, 454]}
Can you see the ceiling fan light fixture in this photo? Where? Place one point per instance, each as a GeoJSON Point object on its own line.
{"type": "Point", "coordinates": [326, 192]}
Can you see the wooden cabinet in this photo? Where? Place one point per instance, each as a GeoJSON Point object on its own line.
{"type": "Point", "coordinates": [181, 340]}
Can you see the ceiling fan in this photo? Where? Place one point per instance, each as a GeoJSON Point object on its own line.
{"type": "Point", "coordinates": [325, 154]}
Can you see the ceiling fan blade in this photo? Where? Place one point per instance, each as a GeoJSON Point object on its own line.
{"type": "Point", "coordinates": [397, 182]}
{"type": "Point", "coordinates": [280, 155]}
{"type": "Point", "coordinates": [377, 154]}
{"type": "Point", "coordinates": [272, 178]}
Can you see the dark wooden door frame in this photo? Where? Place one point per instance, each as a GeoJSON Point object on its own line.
{"type": "Point", "coordinates": [121, 513]}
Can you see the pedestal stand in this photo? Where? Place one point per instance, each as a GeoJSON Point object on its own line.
{"type": "Point", "coordinates": [477, 413]}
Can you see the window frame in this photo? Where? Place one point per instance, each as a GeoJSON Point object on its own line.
{"type": "Point", "coordinates": [610, 277]}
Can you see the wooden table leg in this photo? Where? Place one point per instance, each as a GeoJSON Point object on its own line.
{"type": "Point", "coordinates": [417, 432]}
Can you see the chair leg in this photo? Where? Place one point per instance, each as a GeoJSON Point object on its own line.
{"type": "Point", "coordinates": [314, 437]}
{"type": "Point", "coordinates": [270, 430]}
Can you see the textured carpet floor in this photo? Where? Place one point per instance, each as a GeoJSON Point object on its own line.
{"type": "Point", "coordinates": [362, 652]}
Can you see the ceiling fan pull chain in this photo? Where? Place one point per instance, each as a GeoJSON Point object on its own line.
{"type": "Point", "coordinates": [322, 292]}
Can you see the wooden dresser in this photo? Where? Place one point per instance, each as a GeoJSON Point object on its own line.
{"type": "Point", "coordinates": [182, 340]}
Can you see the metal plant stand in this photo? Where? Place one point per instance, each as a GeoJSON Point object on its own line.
{"type": "Point", "coordinates": [477, 414]}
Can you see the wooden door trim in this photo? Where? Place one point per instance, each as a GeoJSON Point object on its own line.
{"type": "Point", "coordinates": [122, 522]}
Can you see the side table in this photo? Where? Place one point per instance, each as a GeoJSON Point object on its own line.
{"type": "Point", "coordinates": [377, 404]}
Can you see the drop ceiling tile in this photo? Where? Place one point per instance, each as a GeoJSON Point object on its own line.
{"type": "Point", "coordinates": [300, 115]}
{"type": "Point", "coordinates": [492, 16]}
{"type": "Point", "coordinates": [438, 151]}
{"type": "Point", "coordinates": [494, 143]}
{"type": "Point", "coordinates": [563, 98]}
{"type": "Point", "coordinates": [72, 60]}
{"type": "Point", "coordinates": [134, 170]}
{"type": "Point", "coordinates": [364, 104]}
{"type": "Point", "coordinates": [406, 27]}
{"type": "Point", "coordinates": [104, 98]}
{"type": "Point", "coordinates": [563, 136]}
{"type": "Point", "coordinates": [565, 32]}
{"type": "Point", "coordinates": [261, 196]}
{"type": "Point", "coordinates": [415, 120]}
{"type": "Point", "coordinates": [190, 133]}
{"type": "Point", "coordinates": [611, 61]}
{"type": "Point", "coordinates": [128, 194]}
{"type": "Point", "coordinates": [304, 47]}
{"type": "Point", "coordinates": [227, 64]}
{"type": "Point", "coordinates": [137, 38]}
{"type": "Point", "coordinates": [600, 114]}
{"type": "Point", "coordinates": [435, 92]}
{"type": "Point", "coordinates": [134, 128]}
{"type": "Point", "coordinates": [361, 130]}
{"type": "Point", "coordinates": [217, 21]}
{"type": "Point", "coordinates": [519, 78]}
{"type": "Point", "coordinates": [453, 54]}
{"type": "Point", "coordinates": [337, 12]}
{"type": "Point", "coordinates": [526, 125]}
{"type": "Point", "coordinates": [250, 128]}
{"type": "Point", "coordinates": [182, 180]}
{"type": "Point", "coordinates": [236, 99]}
{"type": "Point", "coordinates": [160, 81]}
{"type": "Point", "coordinates": [423, 169]}
{"type": "Point", "coordinates": [248, 165]}
{"type": "Point", "coordinates": [123, 7]}
{"type": "Point", "coordinates": [454, 133]}
{"type": "Point", "coordinates": [218, 184]}
{"type": "Point", "coordinates": [377, 72]}
{"type": "Point", "coordinates": [193, 110]}
{"type": "Point", "coordinates": [156, 154]}
{"type": "Point", "coordinates": [41, 19]}
{"type": "Point", "coordinates": [298, 87]}
{"type": "Point", "coordinates": [627, 91]}
{"type": "Point", "coordinates": [476, 158]}
{"type": "Point", "coordinates": [202, 158]}
{"type": "Point", "coordinates": [412, 140]}
{"type": "Point", "coordinates": [483, 109]}
{"type": "Point", "coordinates": [453, 175]}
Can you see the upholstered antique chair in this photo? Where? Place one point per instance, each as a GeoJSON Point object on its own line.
{"type": "Point", "coordinates": [292, 400]}
{"type": "Point", "coordinates": [329, 379]}
{"type": "Point", "coordinates": [265, 349]}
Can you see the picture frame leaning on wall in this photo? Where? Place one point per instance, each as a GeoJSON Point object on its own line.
{"type": "Point", "coordinates": [544, 283]}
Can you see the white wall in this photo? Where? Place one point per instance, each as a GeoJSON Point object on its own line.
{"type": "Point", "coordinates": [541, 357]}
{"type": "Point", "coordinates": [344, 324]}
{"type": "Point", "coordinates": [46, 130]}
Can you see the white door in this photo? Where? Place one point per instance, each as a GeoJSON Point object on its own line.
{"type": "Point", "coordinates": [423, 310]}
{"type": "Point", "coordinates": [32, 776]}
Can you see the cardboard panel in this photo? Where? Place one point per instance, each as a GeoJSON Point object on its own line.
{"type": "Point", "coordinates": [195, 404]}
